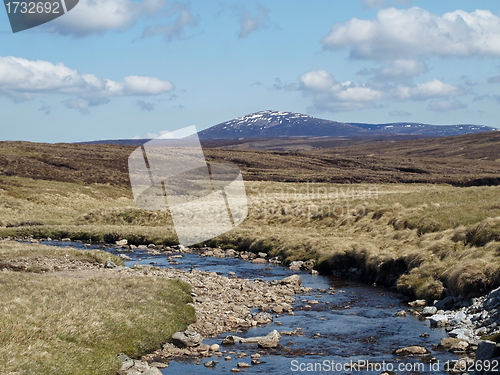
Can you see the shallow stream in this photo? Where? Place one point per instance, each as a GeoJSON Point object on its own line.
{"type": "Point", "coordinates": [357, 324]}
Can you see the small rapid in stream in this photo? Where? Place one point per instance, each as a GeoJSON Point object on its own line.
{"type": "Point", "coordinates": [356, 323]}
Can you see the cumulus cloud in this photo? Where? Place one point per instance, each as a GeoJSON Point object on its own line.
{"type": "Point", "coordinates": [22, 79]}
{"type": "Point", "coordinates": [102, 16]}
{"type": "Point", "coordinates": [399, 113]}
{"type": "Point", "coordinates": [184, 18]}
{"type": "Point", "coordinates": [145, 106]}
{"type": "Point", "coordinates": [402, 69]}
{"type": "Point", "coordinates": [445, 105]}
{"type": "Point", "coordinates": [427, 90]}
{"type": "Point", "coordinates": [250, 23]}
{"type": "Point", "coordinates": [415, 32]}
{"type": "Point", "coordinates": [396, 70]}
{"type": "Point", "coordinates": [329, 94]}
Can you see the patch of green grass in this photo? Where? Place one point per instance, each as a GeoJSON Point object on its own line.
{"type": "Point", "coordinates": [13, 250]}
{"type": "Point", "coordinates": [54, 325]}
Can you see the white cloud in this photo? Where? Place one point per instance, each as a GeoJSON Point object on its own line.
{"type": "Point", "coordinates": [250, 23]}
{"type": "Point", "coordinates": [445, 105]}
{"type": "Point", "coordinates": [399, 113]}
{"type": "Point", "coordinates": [102, 16]}
{"type": "Point", "coordinates": [22, 79]}
{"type": "Point", "coordinates": [175, 30]}
{"type": "Point", "coordinates": [81, 104]}
{"type": "Point", "coordinates": [402, 69]}
{"type": "Point", "coordinates": [331, 95]}
{"type": "Point", "coordinates": [415, 32]}
{"type": "Point", "coordinates": [427, 90]}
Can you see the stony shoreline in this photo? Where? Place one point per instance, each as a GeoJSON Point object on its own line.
{"type": "Point", "coordinates": [224, 304]}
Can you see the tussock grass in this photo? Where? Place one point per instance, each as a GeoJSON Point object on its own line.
{"type": "Point", "coordinates": [56, 325]}
{"type": "Point", "coordinates": [14, 250]}
{"type": "Point", "coordinates": [416, 236]}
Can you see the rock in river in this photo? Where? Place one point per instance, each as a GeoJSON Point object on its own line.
{"type": "Point", "coordinates": [271, 340]}
{"type": "Point", "coordinates": [292, 280]}
{"type": "Point", "coordinates": [412, 350]}
{"type": "Point", "coordinates": [187, 339]}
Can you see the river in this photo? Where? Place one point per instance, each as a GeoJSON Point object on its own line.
{"type": "Point", "coordinates": [355, 324]}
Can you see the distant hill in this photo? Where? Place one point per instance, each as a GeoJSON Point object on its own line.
{"type": "Point", "coordinates": [279, 129]}
{"type": "Point", "coordinates": [121, 142]}
{"type": "Point", "coordinates": [277, 124]}
{"type": "Point", "coordinates": [465, 160]}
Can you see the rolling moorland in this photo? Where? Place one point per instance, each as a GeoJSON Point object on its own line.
{"type": "Point", "coordinates": [422, 216]}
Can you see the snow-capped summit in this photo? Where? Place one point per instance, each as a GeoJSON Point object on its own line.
{"type": "Point", "coordinates": [275, 124]}
{"type": "Point", "coordinates": [281, 124]}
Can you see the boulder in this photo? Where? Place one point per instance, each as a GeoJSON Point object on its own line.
{"type": "Point", "coordinates": [259, 260]}
{"type": "Point", "coordinates": [429, 310]}
{"type": "Point", "coordinates": [493, 298]}
{"type": "Point", "coordinates": [445, 304]}
{"type": "Point", "coordinates": [187, 339]}
{"type": "Point", "coordinates": [458, 318]}
{"type": "Point", "coordinates": [412, 350]}
{"type": "Point", "coordinates": [122, 242]}
{"type": "Point", "coordinates": [292, 280]}
{"type": "Point", "coordinates": [309, 264]}
{"type": "Point", "coordinates": [453, 344]}
{"type": "Point", "coordinates": [438, 320]}
{"type": "Point", "coordinates": [152, 371]}
{"type": "Point", "coordinates": [271, 340]}
{"type": "Point", "coordinates": [461, 333]}
{"type": "Point", "coordinates": [109, 264]}
{"type": "Point", "coordinates": [262, 317]}
{"type": "Point", "coordinates": [487, 350]}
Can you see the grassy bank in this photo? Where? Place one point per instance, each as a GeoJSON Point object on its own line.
{"type": "Point", "coordinates": [64, 325]}
{"type": "Point", "coordinates": [429, 240]}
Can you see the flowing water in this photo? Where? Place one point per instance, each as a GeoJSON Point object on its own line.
{"type": "Point", "coordinates": [358, 324]}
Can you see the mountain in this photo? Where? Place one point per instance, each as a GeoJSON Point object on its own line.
{"type": "Point", "coordinates": [121, 142]}
{"type": "Point", "coordinates": [277, 124]}
{"type": "Point", "coordinates": [410, 128]}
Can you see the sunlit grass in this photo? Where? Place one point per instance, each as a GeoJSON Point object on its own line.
{"type": "Point", "coordinates": [56, 325]}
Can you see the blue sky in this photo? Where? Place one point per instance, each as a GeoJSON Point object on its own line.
{"type": "Point", "coordinates": [114, 69]}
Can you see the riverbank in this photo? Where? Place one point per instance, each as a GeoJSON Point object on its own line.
{"type": "Point", "coordinates": [79, 308]}
{"type": "Point", "coordinates": [221, 303]}
{"type": "Point", "coordinates": [64, 312]}
{"type": "Point", "coordinates": [429, 241]}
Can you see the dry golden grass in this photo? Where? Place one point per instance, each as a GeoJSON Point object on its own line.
{"type": "Point", "coordinates": [427, 239]}
{"type": "Point", "coordinates": [13, 250]}
{"type": "Point", "coordinates": [64, 325]}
